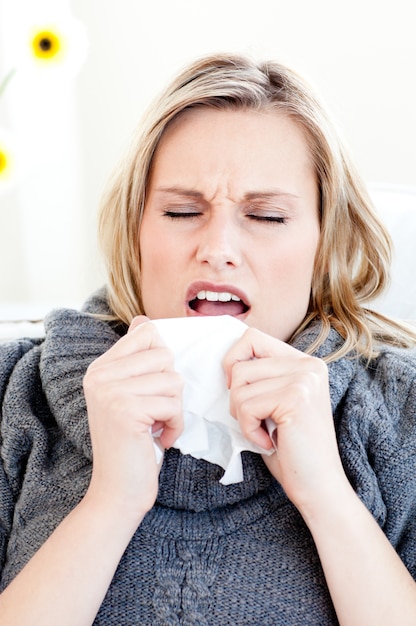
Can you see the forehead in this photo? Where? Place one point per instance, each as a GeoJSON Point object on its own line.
{"type": "Point", "coordinates": [241, 149]}
{"type": "Point", "coordinates": [195, 120]}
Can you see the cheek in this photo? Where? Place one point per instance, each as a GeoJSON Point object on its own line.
{"type": "Point", "coordinates": [288, 270]}
{"type": "Point", "coordinates": [154, 247]}
{"type": "Point", "coordinates": [154, 266]}
{"type": "Point", "coordinates": [290, 259]}
{"type": "Point", "coordinates": [160, 270]}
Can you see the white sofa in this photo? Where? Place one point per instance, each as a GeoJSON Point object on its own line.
{"type": "Point", "coordinates": [397, 207]}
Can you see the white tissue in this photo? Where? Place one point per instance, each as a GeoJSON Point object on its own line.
{"type": "Point", "coordinates": [210, 432]}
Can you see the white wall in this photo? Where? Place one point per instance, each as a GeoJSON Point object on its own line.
{"type": "Point", "coordinates": [361, 56]}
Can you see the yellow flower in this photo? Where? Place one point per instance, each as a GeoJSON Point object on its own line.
{"type": "Point", "coordinates": [4, 161]}
{"type": "Point", "coordinates": [57, 44]}
{"type": "Point", "coordinates": [43, 43]}
{"type": "Point", "coordinates": [7, 162]}
{"type": "Point", "coordinates": [8, 170]}
{"type": "Point", "coordinates": [47, 44]}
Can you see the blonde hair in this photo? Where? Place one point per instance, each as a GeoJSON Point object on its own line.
{"type": "Point", "coordinates": [353, 258]}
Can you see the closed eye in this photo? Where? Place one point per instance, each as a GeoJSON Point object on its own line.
{"type": "Point", "coordinates": [279, 219]}
{"type": "Point", "coordinates": [181, 214]}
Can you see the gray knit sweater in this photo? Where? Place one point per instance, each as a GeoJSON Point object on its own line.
{"type": "Point", "coordinates": [206, 554]}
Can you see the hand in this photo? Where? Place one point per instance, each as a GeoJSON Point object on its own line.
{"type": "Point", "coordinates": [131, 391]}
{"type": "Point", "coordinates": [270, 379]}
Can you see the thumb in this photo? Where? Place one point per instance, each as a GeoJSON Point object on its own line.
{"type": "Point", "coordinates": [137, 321]}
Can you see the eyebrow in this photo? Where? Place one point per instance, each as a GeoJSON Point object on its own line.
{"type": "Point", "coordinates": [180, 191]}
{"type": "Point", "coordinates": [249, 195]}
{"type": "Point", "coordinates": [274, 193]}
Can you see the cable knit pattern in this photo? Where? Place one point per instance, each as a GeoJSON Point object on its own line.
{"type": "Point", "coordinates": [207, 553]}
{"type": "Point", "coordinates": [185, 572]}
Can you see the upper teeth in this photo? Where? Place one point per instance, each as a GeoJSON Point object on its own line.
{"type": "Point", "coordinates": [215, 296]}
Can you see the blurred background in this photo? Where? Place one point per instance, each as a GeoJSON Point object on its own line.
{"type": "Point", "coordinates": [65, 124]}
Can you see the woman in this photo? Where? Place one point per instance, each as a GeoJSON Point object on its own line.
{"type": "Point", "coordinates": [236, 198]}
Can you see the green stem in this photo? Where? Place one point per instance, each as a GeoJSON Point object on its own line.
{"type": "Point", "coordinates": [6, 80]}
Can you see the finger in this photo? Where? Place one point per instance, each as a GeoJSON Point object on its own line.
{"type": "Point", "coordinates": [244, 393]}
{"type": "Point", "coordinates": [288, 399]}
{"type": "Point", "coordinates": [296, 390]}
{"type": "Point", "coordinates": [166, 413]}
{"type": "Point", "coordinates": [251, 405]}
{"type": "Point", "coordinates": [249, 372]}
{"type": "Point", "coordinates": [103, 372]}
{"type": "Point", "coordinates": [136, 418]}
{"type": "Point", "coordinates": [275, 368]}
{"type": "Point", "coordinates": [255, 344]}
{"type": "Point", "coordinates": [143, 336]}
{"type": "Point", "coordinates": [167, 384]}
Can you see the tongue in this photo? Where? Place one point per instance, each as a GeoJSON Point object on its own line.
{"type": "Point", "coordinates": [204, 307]}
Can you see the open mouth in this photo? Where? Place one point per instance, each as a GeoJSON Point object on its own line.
{"type": "Point", "coordinates": [218, 303]}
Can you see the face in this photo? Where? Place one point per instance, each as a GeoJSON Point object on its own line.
{"type": "Point", "coordinates": [230, 225]}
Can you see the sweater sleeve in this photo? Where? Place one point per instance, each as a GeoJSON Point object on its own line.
{"type": "Point", "coordinates": [10, 355]}
{"type": "Point", "coordinates": [377, 441]}
{"type": "Point", "coordinates": [395, 454]}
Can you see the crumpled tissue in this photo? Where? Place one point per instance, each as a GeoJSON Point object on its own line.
{"type": "Point", "coordinates": [210, 432]}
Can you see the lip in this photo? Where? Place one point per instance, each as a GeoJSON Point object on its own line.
{"type": "Point", "coordinates": [203, 285]}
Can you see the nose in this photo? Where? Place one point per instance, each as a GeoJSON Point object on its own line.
{"type": "Point", "coordinates": [219, 245]}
